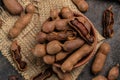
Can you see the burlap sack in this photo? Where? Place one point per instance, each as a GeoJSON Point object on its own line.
{"type": "Point", "coordinates": [26, 39]}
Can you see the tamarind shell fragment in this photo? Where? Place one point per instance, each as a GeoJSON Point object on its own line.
{"type": "Point", "coordinates": [17, 57]}
{"type": "Point", "coordinates": [58, 72]}
{"type": "Point", "coordinates": [82, 30]}
{"type": "Point", "coordinates": [61, 75]}
{"type": "Point", "coordinates": [108, 21]}
{"type": "Point", "coordinates": [43, 76]}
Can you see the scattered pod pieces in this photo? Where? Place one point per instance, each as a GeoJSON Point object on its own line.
{"type": "Point", "coordinates": [43, 76]}
{"type": "Point", "coordinates": [13, 9]}
{"type": "Point", "coordinates": [17, 57]}
{"type": "Point", "coordinates": [66, 13]}
{"type": "Point", "coordinates": [82, 5]}
{"type": "Point", "coordinates": [48, 59]}
{"type": "Point", "coordinates": [73, 44]}
{"type": "Point", "coordinates": [22, 22]}
{"type": "Point", "coordinates": [114, 73]}
{"type": "Point", "coordinates": [84, 31]}
{"type": "Point", "coordinates": [99, 77]}
{"type": "Point", "coordinates": [100, 58]}
{"type": "Point", "coordinates": [53, 47]}
{"type": "Point", "coordinates": [39, 50]}
{"type": "Point", "coordinates": [75, 57]}
{"type": "Point", "coordinates": [108, 21]}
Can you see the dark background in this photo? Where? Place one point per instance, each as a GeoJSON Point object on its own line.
{"type": "Point", "coordinates": [96, 8]}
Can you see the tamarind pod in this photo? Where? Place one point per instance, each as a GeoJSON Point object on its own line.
{"type": "Point", "coordinates": [13, 6]}
{"type": "Point", "coordinates": [61, 55]}
{"type": "Point", "coordinates": [82, 5]}
{"type": "Point", "coordinates": [22, 22]}
{"type": "Point", "coordinates": [75, 57]}
{"type": "Point", "coordinates": [100, 58]}
{"type": "Point", "coordinates": [114, 72]}
{"type": "Point", "coordinates": [48, 59]}
{"type": "Point", "coordinates": [73, 44]}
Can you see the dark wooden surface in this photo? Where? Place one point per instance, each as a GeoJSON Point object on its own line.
{"type": "Point", "coordinates": [96, 8]}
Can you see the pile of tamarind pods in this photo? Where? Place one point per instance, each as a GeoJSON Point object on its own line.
{"type": "Point", "coordinates": [66, 39]}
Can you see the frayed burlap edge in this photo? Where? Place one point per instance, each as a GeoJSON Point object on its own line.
{"type": "Point", "coordinates": [26, 39]}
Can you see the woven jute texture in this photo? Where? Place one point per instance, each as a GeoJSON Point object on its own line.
{"type": "Point", "coordinates": [26, 39]}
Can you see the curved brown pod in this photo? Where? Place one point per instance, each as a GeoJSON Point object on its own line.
{"type": "Point", "coordinates": [71, 61]}
{"type": "Point", "coordinates": [22, 22]}
{"type": "Point", "coordinates": [100, 58]}
{"type": "Point", "coordinates": [73, 44]}
{"type": "Point", "coordinates": [13, 6]}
